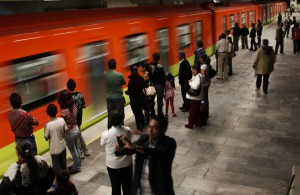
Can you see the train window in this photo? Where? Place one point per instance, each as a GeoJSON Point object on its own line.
{"type": "Point", "coordinates": [231, 21]}
{"type": "Point", "coordinates": [251, 17]}
{"type": "Point", "coordinates": [137, 49]}
{"type": "Point", "coordinates": [183, 36]}
{"type": "Point", "coordinates": [198, 31]}
{"type": "Point", "coordinates": [162, 36]}
{"type": "Point", "coordinates": [243, 18]}
{"type": "Point", "coordinates": [224, 23]}
{"type": "Point", "coordinates": [36, 78]}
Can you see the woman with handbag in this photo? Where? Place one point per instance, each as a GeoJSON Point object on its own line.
{"type": "Point", "coordinates": [30, 175]}
{"type": "Point", "coordinates": [195, 95]}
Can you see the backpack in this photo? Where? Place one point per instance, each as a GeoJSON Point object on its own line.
{"type": "Point", "coordinates": [212, 72]}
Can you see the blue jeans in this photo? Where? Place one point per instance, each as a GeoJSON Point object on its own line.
{"type": "Point", "coordinates": [71, 140]}
{"type": "Point", "coordinates": [115, 104]}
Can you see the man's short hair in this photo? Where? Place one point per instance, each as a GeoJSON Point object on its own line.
{"type": "Point", "coordinates": [223, 36]}
{"type": "Point", "coordinates": [112, 64]}
{"type": "Point", "coordinates": [163, 122]}
{"type": "Point", "coordinates": [115, 118]}
{"type": "Point", "coordinates": [199, 44]}
{"type": "Point", "coordinates": [71, 84]}
{"type": "Point", "coordinates": [265, 42]}
{"type": "Point", "coordinates": [156, 56]}
{"type": "Point", "coordinates": [15, 100]}
{"type": "Point", "coordinates": [181, 54]}
{"type": "Point", "coordinates": [51, 110]}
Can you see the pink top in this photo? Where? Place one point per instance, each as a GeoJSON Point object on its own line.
{"type": "Point", "coordinates": [169, 91]}
{"type": "Point", "coordinates": [70, 117]}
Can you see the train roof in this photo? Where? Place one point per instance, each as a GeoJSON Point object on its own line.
{"type": "Point", "coordinates": [26, 23]}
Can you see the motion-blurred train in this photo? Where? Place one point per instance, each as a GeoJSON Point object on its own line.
{"type": "Point", "coordinates": [40, 52]}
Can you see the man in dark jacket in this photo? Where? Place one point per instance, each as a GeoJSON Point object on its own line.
{"type": "Point", "coordinates": [236, 36]}
{"type": "Point", "coordinates": [157, 76]}
{"type": "Point", "coordinates": [199, 52]}
{"type": "Point", "coordinates": [252, 36]}
{"type": "Point", "coordinates": [136, 95]}
{"type": "Point", "coordinates": [154, 152]}
{"type": "Point", "coordinates": [259, 32]}
{"type": "Point", "coordinates": [245, 33]}
{"type": "Point", "coordinates": [279, 39]}
{"type": "Point", "coordinates": [185, 74]}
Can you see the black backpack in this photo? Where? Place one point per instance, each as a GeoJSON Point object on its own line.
{"type": "Point", "coordinates": [212, 72]}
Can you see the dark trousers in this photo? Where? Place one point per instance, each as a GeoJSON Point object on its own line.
{"type": "Point", "coordinates": [244, 42]}
{"type": "Point", "coordinates": [115, 104]}
{"type": "Point", "coordinates": [265, 82]}
{"type": "Point", "coordinates": [296, 46]}
{"type": "Point", "coordinates": [160, 90]}
{"type": "Point", "coordinates": [137, 109]}
{"type": "Point", "coordinates": [186, 102]}
{"type": "Point", "coordinates": [120, 178]}
{"type": "Point", "coordinates": [286, 32]}
{"type": "Point", "coordinates": [259, 40]}
{"type": "Point", "coordinates": [59, 161]}
{"type": "Point", "coordinates": [217, 64]}
{"type": "Point", "coordinates": [253, 43]}
{"type": "Point", "coordinates": [279, 43]}
{"type": "Point", "coordinates": [236, 42]}
{"type": "Point", "coordinates": [205, 98]}
{"type": "Point", "coordinates": [229, 66]}
{"type": "Point", "coordinates": [146, 108]}
{"type": "Point", "coordinates": [151, 105]}
{"type": "Point", "coordinates": [194, 112]}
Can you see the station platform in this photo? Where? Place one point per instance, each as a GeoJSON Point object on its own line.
{"type": "Point", "coordinates": [251, 142]}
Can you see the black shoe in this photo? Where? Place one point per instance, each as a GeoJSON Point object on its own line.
{"type": "Point", "coordinates": [73, 171]}
{"type": "Point", "coordinates": [184, 110]}
{"type": "Point", "coordinates": [181, 107]}
{"type": "Point", "coordinates": [187, 126]}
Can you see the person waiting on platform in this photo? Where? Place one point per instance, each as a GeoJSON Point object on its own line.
{"type": "Point", "coordinates": [21, 122]}
{"type": "Point", "coordinates": [137, 97]}
{"type": "Point", "coordinates": [169, 94]}
{"type": "Point", "coordinates": [154, 156]}
{"type": "Point", "coordinates": [119, 167]}
{"type": "Point", "coordinates": [78, 99]}
{"type": "Point", "coordinates": [30, 175]}
{"type": "Point", "coordinates": [114, 92]}
{"type": "Point", "coordinates": [264, 65]}
{"type": "Point", "coordinates": [55, 131]}
{"type": "Point", "coordinates": [69, 113]}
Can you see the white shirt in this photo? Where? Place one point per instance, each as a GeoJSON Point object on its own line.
{"type": "Point", "coordinates": [207, 80]}
{"type": "Point", "coordinates": [222, 46]}
{"type": "Point", "coordinates": [55, 131]}
{"type": "Point", "coordinates": [109, 139]}
{"type": "Point", "coordinates": [195, 84]}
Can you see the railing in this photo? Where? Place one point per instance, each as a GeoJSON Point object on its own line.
{"type": "Point", "coordinates": [290, 186]}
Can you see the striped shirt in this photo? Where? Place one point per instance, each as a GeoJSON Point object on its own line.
{"type": "Point", "coordinates": [70, 117]}
{"type": "Point", "coordinates": [145, 180]}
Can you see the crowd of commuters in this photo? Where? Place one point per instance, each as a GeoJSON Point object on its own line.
{"type": "Point", "coordinates": [154, 150]}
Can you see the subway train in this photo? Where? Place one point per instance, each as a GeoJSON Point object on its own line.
{"type": "Point", "coordinates": [41, 51]}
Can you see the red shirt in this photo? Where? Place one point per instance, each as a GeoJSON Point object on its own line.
{"type": "Point", "coordinates": [24, 129]}
{"type": "Point", "coordinates": [70, 117]}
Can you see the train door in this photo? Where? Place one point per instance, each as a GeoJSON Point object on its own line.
{"type": "Point", "coordinates": [224, 23]}
{"type": "Point", "coordinates": [162, 36]}
{"type": "Point", "coordinates": [91, 61]}
{"type": "Point", "coordinates": [198, 25]}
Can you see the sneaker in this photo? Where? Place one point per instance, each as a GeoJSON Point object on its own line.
{"type": "Point", "coordinates": [87, 153]}
{"type": "Point", "coordinates": [174, 115]}
{"type": "Point", "coordinates": [217, 77]}
{"type": "Point", "coordinates": [82, 156]}
{"type": "Point", "coordinates": [74, 171]}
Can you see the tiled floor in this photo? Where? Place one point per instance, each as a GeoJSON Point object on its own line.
{"type": "Point", "coordinates": [249, 146]}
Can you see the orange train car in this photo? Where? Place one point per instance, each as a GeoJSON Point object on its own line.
{"type": "Point", "coordinates": [40, 52]}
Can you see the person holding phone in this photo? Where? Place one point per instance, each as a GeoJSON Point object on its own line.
{"type": "Point", "coordinates": [119, 167]}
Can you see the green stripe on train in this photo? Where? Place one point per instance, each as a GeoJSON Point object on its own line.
{"type": "Point", "coordinates": [8, 153]}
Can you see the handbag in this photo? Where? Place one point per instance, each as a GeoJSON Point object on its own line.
{"type": "Point", "coordinates": [150, 90]}
{"type": "Point", "coordinates": [194, 92]}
